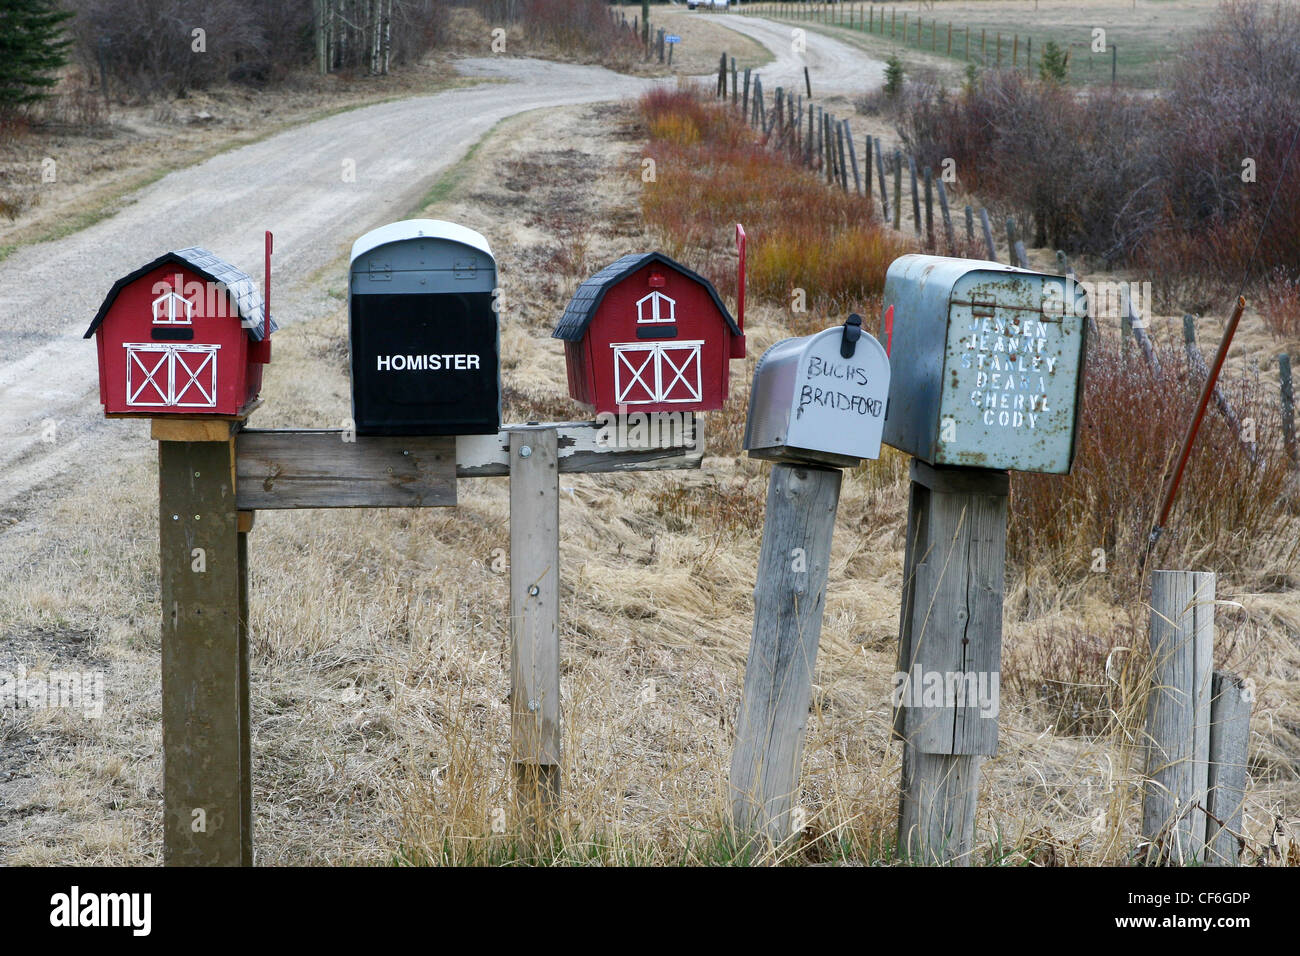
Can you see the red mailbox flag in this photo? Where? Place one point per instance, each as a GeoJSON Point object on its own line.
{"type": "Point", "coordinates": [738, 343]}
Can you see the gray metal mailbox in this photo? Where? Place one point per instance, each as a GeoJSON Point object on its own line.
{"type": "Point", "coordinates": [988, 364]}
{"type": "Point", "coordinates": [819, 398]}
{"type": "Point", "coordinates": [422, 328]}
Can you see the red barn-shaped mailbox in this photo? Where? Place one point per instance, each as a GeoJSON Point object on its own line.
{"type": "Point", "coordinates": [646, 334]}
{"type": "Point", "coordinates": [183, 335]}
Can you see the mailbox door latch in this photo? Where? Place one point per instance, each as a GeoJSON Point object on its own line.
{"type": "Point", "coordinates": [852, 332]}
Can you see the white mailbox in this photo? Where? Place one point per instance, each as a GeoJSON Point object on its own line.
{"type": "Point", "coordinates": [820, 398]}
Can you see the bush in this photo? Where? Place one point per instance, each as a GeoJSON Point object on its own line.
{"type": "Point", "coordinates": [1178, 184]}
{"type": "Point", "coordinates": [1054, 67]}
{"type": "Point", "coordinates": [713, 171]}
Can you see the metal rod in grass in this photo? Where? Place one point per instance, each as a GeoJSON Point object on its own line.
{"type": "Point", "coordinates": [1171, 489]}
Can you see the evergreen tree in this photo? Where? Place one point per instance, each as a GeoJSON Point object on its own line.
{"type": "Point", "coordinates": [1055, 64]}
{"type": "Point", "coordinates": [32, 46]}
{"type": "Point", "coordinates": [893, 76]}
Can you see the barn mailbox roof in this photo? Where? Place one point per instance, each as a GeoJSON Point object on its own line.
{"type": "Point", "coordinates": [243, 290]}
{"type": "Point", "coordinates": [582, 307]}
{"type": "Point", "coordinates": [417, 229]}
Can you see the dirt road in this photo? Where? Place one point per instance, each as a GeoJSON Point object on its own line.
{"type": "Point", "coordinates": [294, 184]}
{"type": "Point", "coordinates": [832, 65]}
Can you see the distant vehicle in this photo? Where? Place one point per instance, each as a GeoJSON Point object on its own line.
{"type": "Point", "coordinates": [716, 4]}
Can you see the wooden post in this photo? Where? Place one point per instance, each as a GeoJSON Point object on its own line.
{"type": "Point", "coordinates": [807, 82]}
{"type": "Point", "coordinates": [929, 208]}
{"type": "Point", "coordinates": [841, 158]}
{"type": "Point", "coordinates": [866, 165]}
{"type": "Point", "coordinates": [853, 161]}
{"type": "Point", "coordinates": [950, 624]}
{"type": "Point", "coordinates": [916, 195]}
{"type": "Point", "coordinates": [1011, 240]}
{"type": "Point", "coordinates": [947, 215]}
{"type": "Point", "coordinates": [1288, 406]}
{"type": "Point", "coordinates": [898, 188]}
{"type": "Point", "coordinates": [880, 176]}
{"type": "Point", "coordinates": [734, 81]}
{"type": "Point", "coordinates": [1226, 782]}
{"type": "Point", "coordinates": [789, 598]}
{"type": "Point", "coordinates": [989, 247]}
{"type": "Point", "coordinates": [970, 224]}
{"type": "Point", "coordinates": [534, 619]}
{"type": "Point", "coordinates": [207, 793]}
{"type": "Point", "coordinates": [1178, 715]}
{"type": "Point", "coordinates": [744, 99]}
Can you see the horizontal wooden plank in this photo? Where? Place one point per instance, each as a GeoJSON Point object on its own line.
{"type": "Point", "coordinates": [316, 468]}
{"type": "Point", "coordinates": [310, 468]}
{"type": "Point", "coordinates": [191, 429]}
{"type": "Point", "coordinates": [587, 447]}
{"type": "Point", "coordinates": [961, 480]}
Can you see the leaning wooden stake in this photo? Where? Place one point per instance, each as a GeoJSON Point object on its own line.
{"type": "Point", "coordinates": [1178, 715]}
{"type": "Point", "coordinates": [534, 619]}
{"type": "Point", "coordinates": [207, 793]}
{"type": "Point", "coordinates": [789, 598]}
{"type": "Point", "coordinates": [950, 630]}
{"type": "Point", "coordinates": [989, 246]}
{"type": "Point", "coordinates": [1226, 783]}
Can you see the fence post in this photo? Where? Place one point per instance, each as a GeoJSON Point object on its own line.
{"type": "Point", "coordinates": [1226, 783]}
{"type": "Point", "coordinates": [839, 147]}
{"type": "Point", "coordinates": [866, 165]}
{"type": "Point", "coordinates": [789, 599]}
{"type": "Point", "coordinates": [744, 99]}
{"type": "Point", "coordinates": [734, 81]}
{"type": "Point", "coordinates": [970, 224]}
{"type": "Point", "coordinates": [916, 195]}
{"type": "Point", "coordinates": [988, 235]}
{"type": "Point", "coordinates": [884, 186]}
{"type": "Point", "coordinates": [1178, 715]}
{"type": "Point", "coordinates": [1288, 405]}
{"type": "Point", "coordinates": [898, 187]}
{"type": "Point", "coordinates": [207, 793]}
{"type": "Point", "coordinates": [534, 620]}
{"type": "Point", "coordinates": [929, 208]}
{"type": "Point", "coordinates": [950, 622]}
{"type": "Point", "coordinates": [853, 161]}
{"type": "Point", "coordinates": [947, 215]}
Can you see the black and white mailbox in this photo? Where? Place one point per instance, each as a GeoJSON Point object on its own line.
{"type": "Point", "coordinates": [820, 398]}
{"type": "Point", "coordinates": [422, 329]}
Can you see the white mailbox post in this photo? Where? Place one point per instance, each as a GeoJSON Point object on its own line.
{"type": "Point", "coordinates": [817, 405]}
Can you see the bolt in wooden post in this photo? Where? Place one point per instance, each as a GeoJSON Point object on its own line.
{"type": "Point", "coordinates": [207, 793]}
{"type": "Point", "coordinates": [1226, 783]}
{"type": "Point", "coordinates": [950, 624]}
{"type": "Point", "coordinates": [989, 247]}
{"type": "Point", "coordinates": [1288, 406]}
{"type": "Point", "coordinates": [789, 598]}
{"type": "Point", "coordinates": [534, 620]}
{"type": "Point", "coordinates": [1178, 715]}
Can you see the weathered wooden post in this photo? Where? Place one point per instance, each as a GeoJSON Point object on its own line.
{"type": "Point", "coordinates": [929, 209]}
{"type": "Point", "coordinates": [817, 405]}
{"type": "Point", "coordinates": [1226, 781]}
{"type": "Point", "coordinates": [989, 247]}
{"type": "Point", "coordinates": [898, 188]}
{"type": "Point", "coordinates": [1288, 406]}
{"type": "Point", "coordinates": [535, 618]}
{"type": "Point", "coordinates": [947, 215]}
{"type": "Point", "coordinates": [950, 408]}
{"type": "Point", "coordinates": [916, 195]}
{"type": "Point", "coordinates": [880, 176]}
{"type": "Point", "coordinates": [1178, 715]}
{"type": "Point", "coordinates": [207, 780]}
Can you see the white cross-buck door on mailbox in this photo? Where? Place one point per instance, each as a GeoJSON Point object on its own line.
{"type": "Point", "coordinates": [171, 375]}
{"type": "Point", "coordinates": [650, 372]}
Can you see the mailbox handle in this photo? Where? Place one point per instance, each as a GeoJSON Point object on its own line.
{"type": "Point", "coordinates": [852, 332]}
